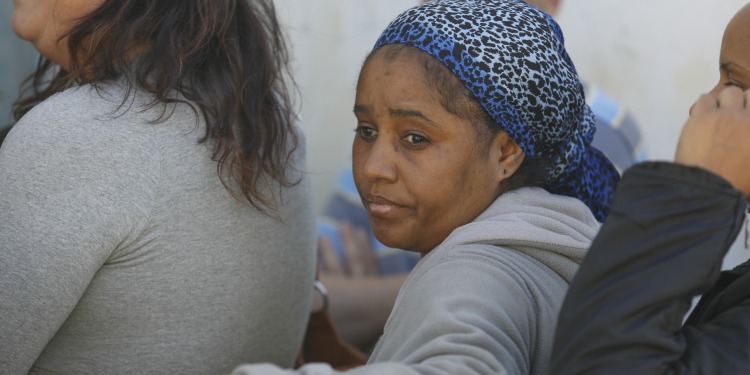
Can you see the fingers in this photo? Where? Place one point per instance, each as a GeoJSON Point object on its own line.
{"type": "Point", "coordinates": [360, 259]}
{"type": "Point", "coordinates": [716, 137]}
{"type": "Point", "coordinates": [705, 103]}
{"type": "Point", "coordinates": [731, 98]}
{"type": "Point", "coordinates": [329, 261]}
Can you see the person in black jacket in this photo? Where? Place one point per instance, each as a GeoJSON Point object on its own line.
{"type": "Point", "coordinates": [662, 244]}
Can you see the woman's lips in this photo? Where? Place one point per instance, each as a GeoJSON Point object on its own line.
{"type": "Point", "coordinates": [380, 206]}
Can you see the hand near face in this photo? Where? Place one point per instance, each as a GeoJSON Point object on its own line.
{"type": "Point", "coordinates": [717, 136]}
{"type": "Point", "coordinates": [360, 258]}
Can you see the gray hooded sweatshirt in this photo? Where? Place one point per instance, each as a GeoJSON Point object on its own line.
{"type": "Point", "coordinates": [485, 301]}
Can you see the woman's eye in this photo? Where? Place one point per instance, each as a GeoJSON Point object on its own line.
{"type": "Point", "coordinates": [415, 139]}
{"type": "Point", "coordinates": [735, 84]}
{"type": "Point", "coordinates": [366, 132]}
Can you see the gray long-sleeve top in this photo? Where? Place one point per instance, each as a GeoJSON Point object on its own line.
{"type": "Point", "coordinates": [121, 252]}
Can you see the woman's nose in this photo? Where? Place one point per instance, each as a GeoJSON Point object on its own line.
{"type": "Point", "coordinates": [380, 162]}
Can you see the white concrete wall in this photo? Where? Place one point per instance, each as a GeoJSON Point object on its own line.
{"type": "Point", "coordinates": [656, 56]}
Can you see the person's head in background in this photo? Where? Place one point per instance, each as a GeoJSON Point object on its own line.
{"type": "Point", "coordinates": [448, 120]}
{"type": "Point", "coordinates": [227, 58]}
{"type": "Point", "coordinates": [547, 6]}
{"type": "Point", "coordinates": [734, 58]}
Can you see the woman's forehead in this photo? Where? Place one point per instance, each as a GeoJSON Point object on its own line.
{"type": "Point", "coordinates": [509, 55]}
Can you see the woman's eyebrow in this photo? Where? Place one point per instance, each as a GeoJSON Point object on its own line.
{"type": "Point", "coordinates": [410, 113]}
{"type": "Point", "coordinates": [363, 109]}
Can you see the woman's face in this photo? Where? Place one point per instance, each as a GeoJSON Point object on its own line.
{"type": "Point", "coordinates": [734, 59]}
{"type": "Point", "coordinates": [421, 171]}
{"type": "Point", "coordinates": [43, 22]}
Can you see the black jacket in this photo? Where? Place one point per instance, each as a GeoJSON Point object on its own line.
{"type": "Point", "coordinates": [662, 244]}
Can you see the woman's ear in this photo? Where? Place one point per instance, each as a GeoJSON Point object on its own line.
{"type": "Point", "coordinates": [506, 154]}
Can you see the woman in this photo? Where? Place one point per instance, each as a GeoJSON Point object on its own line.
{"type": "Point", "coordinates": [671, 225]}
{"type": "Point", "coordinates": [473, 148]}
{"type": "Point", "coordinates": [154, 218]}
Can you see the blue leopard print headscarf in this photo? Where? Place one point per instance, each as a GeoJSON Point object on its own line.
{"type": "Point", "coordinates": [512, 57]}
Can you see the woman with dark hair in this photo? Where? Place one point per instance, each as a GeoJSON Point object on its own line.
{"type": "Point", "coordinates": [154, 214]}
{"type": "Point", "coordinates": [473, 148]}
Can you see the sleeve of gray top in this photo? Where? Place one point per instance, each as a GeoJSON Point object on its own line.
{"type": "Point", "coordinates": [71, 191]}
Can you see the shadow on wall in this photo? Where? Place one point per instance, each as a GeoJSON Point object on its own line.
{"type": "Point", "coordinates": [17, 61]}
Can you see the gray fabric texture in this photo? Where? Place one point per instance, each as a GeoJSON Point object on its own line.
{"type": "Point", "coordinates": [485, 301]}
{"type": "Point", "coordinates": [121, 252]}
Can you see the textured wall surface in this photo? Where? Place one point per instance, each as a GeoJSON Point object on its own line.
{"type": "Point", "coordinates": [657, 57]}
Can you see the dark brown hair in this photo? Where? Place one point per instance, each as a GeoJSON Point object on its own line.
{"type": "Point", "coordinates": [458, 100]}
{"type": "Point", "coordinates": [227, 58]}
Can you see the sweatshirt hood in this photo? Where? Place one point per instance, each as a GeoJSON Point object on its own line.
{"type": "Point", "coordinates": [553, 229]}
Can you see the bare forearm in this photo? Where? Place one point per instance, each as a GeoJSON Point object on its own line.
{"type": "Point", "coordinates": [360, 306]}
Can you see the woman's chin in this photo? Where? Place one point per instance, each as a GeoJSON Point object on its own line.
{"type": "Point", "coordinates": [402, 240]}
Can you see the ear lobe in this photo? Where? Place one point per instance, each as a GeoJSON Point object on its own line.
{"type": "Point", "coordinates": [507, 155]}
